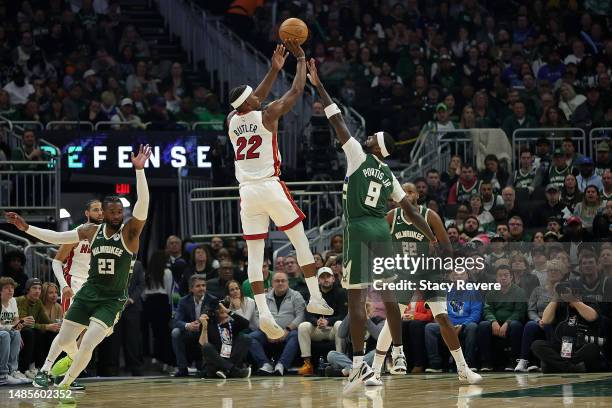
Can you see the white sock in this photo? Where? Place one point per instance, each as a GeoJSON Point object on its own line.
{"type": "Point", "coordinates": [397, 350]}
{"type": "Point", "coordinates": [67, 381]}
{"type": "Point", "coordinates": [377, 364]}
{"type": "Point", "coordinates": [357, 360]}
{"type": "Point", "coordinates": [47, 366]}
{"type": "Point", "coordinates": [313, 287]}
{"type": "Point", "coordinates": [459, 359]}
{"type": "Point", "coordinates": [262, 306]}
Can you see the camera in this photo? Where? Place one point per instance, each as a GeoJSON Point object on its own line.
{"type": "Point", "coordinates": [572, 327]}
{"type": "Point", "coordinates": [566, 288]}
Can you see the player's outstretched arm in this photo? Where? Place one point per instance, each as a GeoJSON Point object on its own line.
{"type": "Point", "coordinates": [134, 226]}
{"type": "Point", "coordinates": [416, 218]}
{"type": "Point", "coordinates": [283, 105]}
{"type": "Point", "coordinates": [331, 109]}
{"type": "Point", "coordinates": [437, 226]}
{"type": "Point", "coordinates": [46, 235]}
{"type": "Point", "coordinates": [277, 62]}
{"type": "Point", "coordinates": [58, 264]}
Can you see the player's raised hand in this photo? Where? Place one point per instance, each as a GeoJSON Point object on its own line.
{"type": "Point", "coordinates": [294, 48]}
{"type": "Point", "coordinates": [279, 57]}
{"type": "Point", "coordinates": [313, 75]}
{"type": "Point", "coordinates": [144, 152]}
{"type": "Point", "coordinates": [16, 220]}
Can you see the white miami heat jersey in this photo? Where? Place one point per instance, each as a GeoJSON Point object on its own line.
{"type": "Point", "coordinates": [77, 263]}
{"type": "Point", "coordinates": [255, 148]}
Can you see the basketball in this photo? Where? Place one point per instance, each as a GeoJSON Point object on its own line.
{"type": "Point", "coordinates": [293, 28]}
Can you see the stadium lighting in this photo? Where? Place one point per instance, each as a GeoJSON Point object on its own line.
{"type": "Point", "coordinates": [125, 202]}
{"type": "Point", "coordinates": [64, 213]}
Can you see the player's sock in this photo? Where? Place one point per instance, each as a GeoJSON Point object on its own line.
{"type": "Point", "coordinates": [379, 359]}
{"type": "Point", "coordinates": [397, 350]}
{"type": "Point", "coordinates": [94, 335]}
{"type": "Point", "coordinates": [68, 379]}
{"type": "Point", "coordinates": [71, 349]}
{"type": "Point", "coordinates": [262, 306]}
{"type": "Point", "coordinates": [313, 287]}
{"type": "Point", "coordinates": [459, 359]}
{"type": "Point", "coordinates": [64, 339]}
{"type": "Point", "coordinates": [357, 359]}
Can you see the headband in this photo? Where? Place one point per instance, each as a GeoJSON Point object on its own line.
{"type": "Point", "coordinates": [380, 137]}
{"type": "Point", "coordinates": [243, 97]}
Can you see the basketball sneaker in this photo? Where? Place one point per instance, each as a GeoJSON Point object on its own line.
{"type": "Point", "coordinates": [75, 386]}
{"type": "Point", "coordinates": [467, 375]}
{"type": "Point", "coordinates": [373, 381]}
{"type": "Point", "coordinates": [268, 325]}
{"type": "Point", "coordinates": [522, 366]}
{"type": "Point", "coordinates": [61, 366]}
{"type": "Point", "coordinates": [399, 365]}
{"type": "Point", "coordinates": [357, 376]}
{"type": "Point", "coordinates": [319, 306]}
{"type": "Point", "coordinates": [42, 380]}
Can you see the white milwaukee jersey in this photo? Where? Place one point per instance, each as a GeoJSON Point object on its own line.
{"type": "Point", "coordinates": [255, 147]}
{"type": "Point", "coordinates": [77, 263]}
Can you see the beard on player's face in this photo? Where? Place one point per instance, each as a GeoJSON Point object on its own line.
{"type": "Point", "coordinates": [114, 223]}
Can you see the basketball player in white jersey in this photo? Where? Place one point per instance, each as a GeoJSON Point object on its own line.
{"type": "Point", "coordinates": [253, 133]}
{"type": "Point", "coordinates": [71, 263]}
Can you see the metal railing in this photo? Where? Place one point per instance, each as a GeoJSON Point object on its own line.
{"type": "Point", "coordinates": [186, 183]}
{"type": "Point", "coordinates": [286, 248]}
{"type": "Point", "coordinates": [216, 210]}
{"type": "Point", "coordinates": [11, 242]}
{"type": "Point", "coordinates": [68, 124]}
{"type": "Point", "coordinates": [22, 187]}
{"type": "Point", "coordinates": [39, 258]}
{"type": "Point", "coordinates": [554, 135]}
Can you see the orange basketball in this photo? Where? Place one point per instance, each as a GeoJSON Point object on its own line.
{"type": "Point", "coordinates": [293, 28]}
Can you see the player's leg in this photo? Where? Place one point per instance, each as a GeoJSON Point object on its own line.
{"type": "Point", "coordinates": [316, 304]}
{"type": "Point", "coordinates": [62, 365]}
{"type": "Point", "coordinates": [439, 311]}
{"type": "Point", "coordinates": [96, 332]}
{"type": "Point", "coordinates": [391, 333]}
{"type": "Point", "coordinates": [288, 218]}
{"type": "Point", "coordinates": [360, 370]}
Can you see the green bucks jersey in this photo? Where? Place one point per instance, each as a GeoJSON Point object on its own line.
{"type": "Point", "coordinates": [557, 176]}
{"type": "Point", "coordinates": [413, 241]}
{"type": "Point", "coordinates": [368, 185]}
{"type": "Point", "coordinates": [111, 263]}
{"type": "Point", "coordinates": [524, 180]}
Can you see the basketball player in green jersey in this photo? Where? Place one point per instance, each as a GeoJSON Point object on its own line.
{"type": "Point", "coordinates": [98, 305]}
{"type": "Point", "coordinates": [368, 185]}
{"type": "Point", "coordinates": [414, 243]}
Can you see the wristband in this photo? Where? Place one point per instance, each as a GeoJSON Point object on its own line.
{"type": "Point", "coordinates": [332, 110]}
{"type": "Point", "coordinates": [301, 58]}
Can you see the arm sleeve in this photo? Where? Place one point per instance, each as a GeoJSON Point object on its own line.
{"type": "Point", "coordinates": [398, 192]}
{"type": "Point", "coordinates": [354, 155]}
{"type": "Point", "coordinates": [58, 271]}
{"type": "Point", "coordinates": [142, 190]}
{"type": "Point", "coordinates": [54, 237]}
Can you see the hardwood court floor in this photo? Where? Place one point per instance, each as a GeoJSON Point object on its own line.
{"type": "Point", "coordinates": [498, 390]}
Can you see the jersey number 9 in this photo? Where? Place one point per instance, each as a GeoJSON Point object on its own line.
{"type": "Point", "coordinates": [373, 194]}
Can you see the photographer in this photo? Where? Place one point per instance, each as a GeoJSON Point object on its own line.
{"type": "Point", "coordinates": [224, 349]}
{"type": "Point", "coordinates": [572, 349]}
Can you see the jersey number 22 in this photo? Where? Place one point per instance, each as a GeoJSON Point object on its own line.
{"type": "Point", "coordinates": [252, 153]}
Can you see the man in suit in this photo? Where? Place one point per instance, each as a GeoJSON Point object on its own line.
{"type": "Point", "coordinates": [186, 331]}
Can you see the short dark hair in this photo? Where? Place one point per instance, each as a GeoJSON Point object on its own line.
{"type": "Point", "coordinates": [89, 203]}
{"type": "Point", "coordinates": [432, 171]}
{"type": "Point", "coordinates": [525, 150]}
{"type": "Point", "coordinates": [467, 165]}
{"type": "Point", "coordinates": [110, 200]}
{"type": "Point", "coordinates": [236, 92]}
{"type": "Point", "coordinates": [420, 179]}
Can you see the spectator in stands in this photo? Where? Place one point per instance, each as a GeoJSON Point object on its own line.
{"type": "Point", "coordinates": [216, 286]}
{"type": "Point", "coordinates": [10, 335]}
{"type": "Point", "coordinates": [587, 174]}
{"type": "Point", "coordinates": [489, 199]}
{"type": "Point", "coordinates": [287, 307]}
{"type": "Point", "coordinates": [569, 100]}
{"type": "Point", "coordinates": [569, 150]}
{"type": "Point", "coordinates": [13, 263]}
{"type": "Point", "coordinates": [318, 328]}
{"type": "Point", "coordinates": [552, 207]}
{"type": "Point", "coordinates": [267, 279]}
{"type": "Point", "coordinates": [187, 324]}
{"type": "Point", "coordinates": [39, 330]}
{"type": "Point", "coordinates": [319, 261]}
{"type": "Point", "coordinates": [522, 276]}
{"type": "Point", "coordinates": [485, 219]}
{"type": "Point", "coordinates": [461, 191]}
{"type": "Point", "coordinates": [538, 301]}
{"type": "Point", "coordinates": [517, 230]}
{"type": "Point", "coordinates": [589, 112]}
{"type": "Point", "coordinates": [423, 190]}
{"type": "Point", "coordinates": [471, 228]}
{"type": "Point", "coordinates": [49, 297]}
{"type": "Point", "coordinates": [132, 39]}
{"type": "Point", "coordinates": [504, 312]}
{"type": "Point", "coordinates": [176, 83]}
{"type": "Point", "coordinates": [414, 320]}
{"type": "Point", "coordinates": [19, 89]}
{"type": "Point", "coordinates": [125, 114]}
{"type": "Point", "coordinates": [525, 176]}
{"type": "Point", "coordinates": [224, 347]}
{"type": "Point", "coordinates": [602, 222]}
{"type": "Point", "coordinates": [605, 266]}
{"type": "Point", "coordinates": [570, 195]}
{"type": "Point", "coordinates": [539, 259]}
{"type": "Point", "coordinates": [159, 116]}
{"type": "Point", "coordinates": [553, 70]}
{"type": "Point", "coordinates": [603, 161]}
{"type": "Point", "coordinates": [176, 262]}
{"type": "Point", "coordinates": [437, 189]}
{"type": "Point", "coordinates": [494, 173]}
{"type": "Point", "coordinates": [589, 206]}
{"type": "Point", "coordinates": [453, 234]}
{"type": "Point", "coordinates": [201, 263]}
{"type": "Point", "coordinates": [142, 78]}
{"type": "Point", "coordinates": [582, 357]}
{"type": "Point", "coordinates": [29, 151]}
{"type": "Point", "coordinates": [335, 263]}
{"type": "Point", "coordinates": [335, 245]}
{"type": "Point", "coordinates": [244, 306]}
{"type": "Point", "coordinates": [517, 120]}
{"type": "Point", "coordinates": [295, 276]}
{"type": "Point", "coordinates": [157, 305]}
{"type": "Point", "coordinates": [464, 311]}
{"type": "Point", "coordinates": [510, 203]}
{"type": "Point", "coordinates": [75, 105]}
